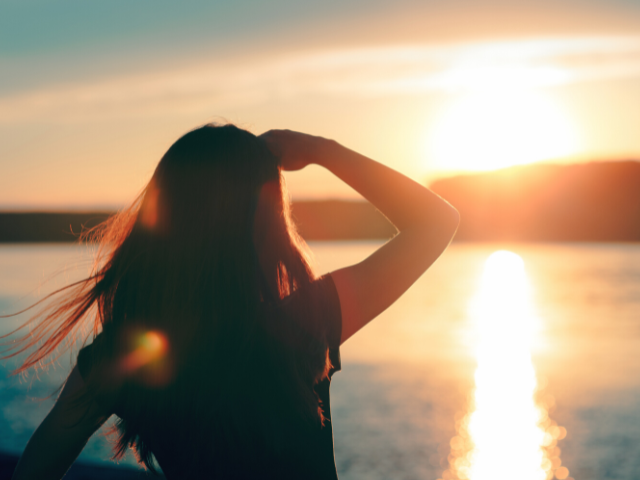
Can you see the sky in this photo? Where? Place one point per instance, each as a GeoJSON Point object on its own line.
{"type": "Point", "coordinates": [93, 93]}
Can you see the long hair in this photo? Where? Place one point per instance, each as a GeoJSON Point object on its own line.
{"type": "Point", "coordinates": [183, 300]}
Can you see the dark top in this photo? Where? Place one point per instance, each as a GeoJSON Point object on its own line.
{"type": "Point", "coordinates": [310, 456]}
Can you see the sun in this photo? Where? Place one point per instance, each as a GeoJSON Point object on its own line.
{"type": "Point", "coordinates": [493, 129]}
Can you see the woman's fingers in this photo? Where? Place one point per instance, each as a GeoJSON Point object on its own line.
{"type": "Point", "coordinates": [271, 141]}
{"type": "Point", "coordinates": [296, 150]}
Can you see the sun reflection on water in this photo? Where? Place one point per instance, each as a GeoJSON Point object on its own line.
{"type": "Point", "coordinates": [507, 433]}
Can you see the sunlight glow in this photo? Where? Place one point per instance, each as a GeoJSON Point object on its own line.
{"type": "Point", "coordinates": [369, 72]}
{"type": "Point", "coordinates": [507, 434]}
{"type": "Point", "coordinates": [499, 128]}
{"type": "Point", "coordinates": [502, 78]}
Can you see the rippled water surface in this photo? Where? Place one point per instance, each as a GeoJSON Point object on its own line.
{"type": "Point", "coordinates": [409, 378]}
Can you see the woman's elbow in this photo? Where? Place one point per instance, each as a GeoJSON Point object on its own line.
{"type": "Point", "coordinates": [455, 219]}
{"type": "Point", "coordinates": [449, 220]}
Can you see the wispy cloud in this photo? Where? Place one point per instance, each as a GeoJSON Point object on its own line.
{"type": "Point", "coordinates": [371, 72]}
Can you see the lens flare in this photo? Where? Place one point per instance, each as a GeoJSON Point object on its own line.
{"type": "Point", "coordinates": [507, 434]}
{"type": "Point", "coordinates": [151, 346]}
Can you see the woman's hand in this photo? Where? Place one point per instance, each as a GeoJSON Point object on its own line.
{"type": "Point", "coordinates": [297, 150]}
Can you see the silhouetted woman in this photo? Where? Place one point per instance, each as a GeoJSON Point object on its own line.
{"type": "Point", "coordinates": [213, 340]}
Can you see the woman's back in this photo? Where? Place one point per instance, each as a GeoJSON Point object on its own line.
{"type": "Point", "coordinates": [275, 436]}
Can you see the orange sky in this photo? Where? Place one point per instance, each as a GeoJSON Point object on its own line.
{"type": "Point", "coordinates": [88, 105]}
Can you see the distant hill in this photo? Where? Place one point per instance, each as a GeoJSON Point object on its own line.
{"type": "Point", "coordinates": [597, 201]}
{"type": "Point", "coordinates": [324, 220]}
{"type": "Point", "coordinates": [340, 220]}
{"type": "Point", "coordinates": [20, 227]}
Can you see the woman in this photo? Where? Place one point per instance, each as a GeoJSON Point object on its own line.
{"type": "Point", "coordinates": [213, 341]}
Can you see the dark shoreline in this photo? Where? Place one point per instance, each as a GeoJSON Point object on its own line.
{"type": "Point", "coordinates": [589, 202]}
{"type": "Point", "coordinates": [325, 220]}
{"type": "Point", "coordinates": [46, 227]}
{"type": "Point", "coordinates": [344, 221]}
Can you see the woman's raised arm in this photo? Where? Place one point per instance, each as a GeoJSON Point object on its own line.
{"type": "Point", "coordinates": [426, 224]}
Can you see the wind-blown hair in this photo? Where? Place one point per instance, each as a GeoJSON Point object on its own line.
{"type": "Point", "coordinates": [194, 267]}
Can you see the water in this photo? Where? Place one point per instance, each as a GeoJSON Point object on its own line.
{"type": "Point", "coordinates": [408, 377]}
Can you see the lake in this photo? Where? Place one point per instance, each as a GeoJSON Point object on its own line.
{"type": "Point", "coordinates": [481, 367]}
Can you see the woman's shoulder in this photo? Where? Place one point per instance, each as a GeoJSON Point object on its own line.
{"type": "Point", "coordinates": [315, 308]}
{"type": "Point", "coordinates": [99, 373]}
{"type": "Point", "coordinates": [88, 357]}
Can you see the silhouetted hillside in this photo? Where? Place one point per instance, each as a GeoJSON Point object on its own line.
{"type": "Point", "coordinates": [325, 220]}
{"type": "Point", "coordinates": [340, 220]}
{"type": "Point", "coordinates": [18, 227]}
{"type": "Point", "coordinates": [597, 201]}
